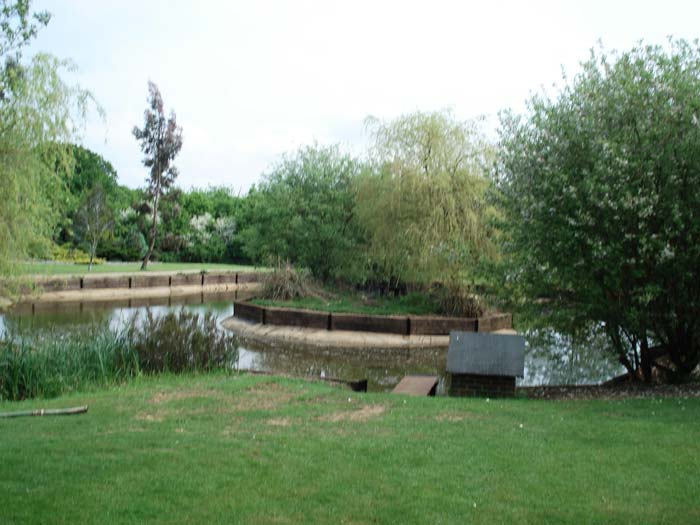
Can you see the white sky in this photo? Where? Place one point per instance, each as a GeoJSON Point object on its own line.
{"type": "Point", "coordinates": [252, 80]}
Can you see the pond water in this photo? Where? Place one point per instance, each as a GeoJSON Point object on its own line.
{"type": "Point", "coordinates": [549, 359]}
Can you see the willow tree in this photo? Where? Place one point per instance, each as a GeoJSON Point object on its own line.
{"type": "Point", "coordinates": [39, 113]}
{"type": "Point", "coordinates": [161, 141]}
{"type": "Point", "coordinates": [424, 204]}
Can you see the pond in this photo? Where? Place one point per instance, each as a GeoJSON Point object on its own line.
{"type": "Point", "coordinates": [550, 358]}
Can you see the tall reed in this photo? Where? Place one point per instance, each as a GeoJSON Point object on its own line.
{"type": "Point", "coordinates": [47, 363]}
{"type": "Point", "coordinates": [52, 362]}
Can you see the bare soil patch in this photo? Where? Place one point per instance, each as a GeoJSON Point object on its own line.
{"type": "Point", "coordinates": [177, 395]}
{"type": "Point", "coordinates": [364, 413]}
{"type": "Point", "coordinates": [279, 422]}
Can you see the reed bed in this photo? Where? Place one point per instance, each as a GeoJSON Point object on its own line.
{"type": "Point", "coordinates": [48, 363]}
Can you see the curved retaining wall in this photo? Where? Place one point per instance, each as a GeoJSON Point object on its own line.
{"type": "Point", "coordinates": [388, 324]}
{"type": "Point", "coordinates": [95, 282]}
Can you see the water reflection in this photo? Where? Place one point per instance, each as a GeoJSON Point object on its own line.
{"type": "Point", "coordinates": [555, 359]}
{"type": "Point", "coordinates": [550, 357]}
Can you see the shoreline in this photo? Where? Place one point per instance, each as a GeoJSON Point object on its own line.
{"type": "Point", "coordinates": [125, 286]}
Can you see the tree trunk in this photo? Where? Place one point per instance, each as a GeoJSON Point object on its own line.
{"type": "Point", "coordinates": [646, 360]}
{"type": "Point", "coordinates": [93, 249]}
{"type": "Point", "coordinates": [154, 230]}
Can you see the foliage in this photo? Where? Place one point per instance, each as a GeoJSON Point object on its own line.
{"type": "Point", "coordinates": [36, 114]}
{"type": "Point", "coordinates": [285, 282]}
{"type": "Point", "coordinates": [39, 113]}
{"type": "Point", "coordinates": [601, 191]}
{"type": "Point", "coordinates": [303, 212]}
{"type": "Point", "coordinates": [94, 219]}
{"type": "Point", "coordinates": [183, 341]}
{"type": "Point", "coordinates": [18, 26]}
{"type": "Point", "coordinates": [50, 363]}
{"type": "Point", "coordinates": [424, 205]}
{"type": "Point", "coordinates": [68, 254]}
{"type": "Point", "coordinates": [161, 141]}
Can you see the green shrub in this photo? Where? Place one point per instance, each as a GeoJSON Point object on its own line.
{"type": "Point", "coordinates": [65, 253]}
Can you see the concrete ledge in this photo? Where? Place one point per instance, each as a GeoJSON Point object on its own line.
{"type": "Point", "coordinates": [379, 346]}
{"type": "Point", "coordinates": [112, 294]}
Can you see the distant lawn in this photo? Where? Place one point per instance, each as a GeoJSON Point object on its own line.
{"type": "Point", "coordinates": [414, 303]}
{"type": "Point", "coordinates": [50, 268]}
{"type": "Point", "coordinates": [252, 449]}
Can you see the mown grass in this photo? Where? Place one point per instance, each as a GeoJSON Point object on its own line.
{"type": "Point", "coordinates": [51, 268]}
{"type": "Point", "coordinates": [414, 303]}
{"type": "Point", "coordinates": [250, 449]}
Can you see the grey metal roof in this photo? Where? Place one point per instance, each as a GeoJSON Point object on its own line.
{"type": "Point", "coordinates": [486, 354]}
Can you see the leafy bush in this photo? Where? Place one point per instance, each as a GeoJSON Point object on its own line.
{"type": "Point", "coordinates": [182, 341]}
{"type": "Point", "coordinates": [599, 185]}
{"type": "Point", "coordinates": [65, 253]}
{"type": "Point", "coordinates": [303, 211]}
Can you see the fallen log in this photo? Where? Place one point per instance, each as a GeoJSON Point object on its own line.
{"type": "Point", "coordinates": [47, 412]}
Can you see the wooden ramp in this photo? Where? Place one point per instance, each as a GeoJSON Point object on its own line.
{"type": "Point", "coordinates": [417, 386]}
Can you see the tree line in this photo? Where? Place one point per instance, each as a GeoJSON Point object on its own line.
{"type": "Point", "coordinates": [584, 211]}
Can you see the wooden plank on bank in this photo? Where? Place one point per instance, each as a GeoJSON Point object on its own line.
{"type": "Point", "coordinates": [417, 386]}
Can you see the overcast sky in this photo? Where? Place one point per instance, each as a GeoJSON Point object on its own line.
{"type": "Point", "coordinates": [252, 80]}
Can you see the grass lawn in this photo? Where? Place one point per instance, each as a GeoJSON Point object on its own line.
{"type": "Point", "coordinates": [342, 301]}
{"type": "Point", "coordinates": [51, 268]}
{"type": "Point", "coordinates": [252, 449]}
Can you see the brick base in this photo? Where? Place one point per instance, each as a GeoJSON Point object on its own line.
{"type": "Point", "coordinates": [484, 386]}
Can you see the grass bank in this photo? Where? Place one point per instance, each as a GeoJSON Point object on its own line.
{"type": "Point", "coordinates": [51, 268]}
{"type": "Point", "coordinates": [250, 449]}
{"type": "Point", "coordinates": [414, 303]}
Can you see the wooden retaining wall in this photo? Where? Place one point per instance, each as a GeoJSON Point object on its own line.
{"type": "Point", "coordinates": [141, 280]}
{"type": "Point", "coordinates": [370, 323]}
{"type": "Point", "coordinates": [98, 282]}
{"type": "Point", "coordinates": [400, 325]}
{"type": "Point", "coordinates": [150, 281]}
{"type": "Point", "coordinates": [302, 318]}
